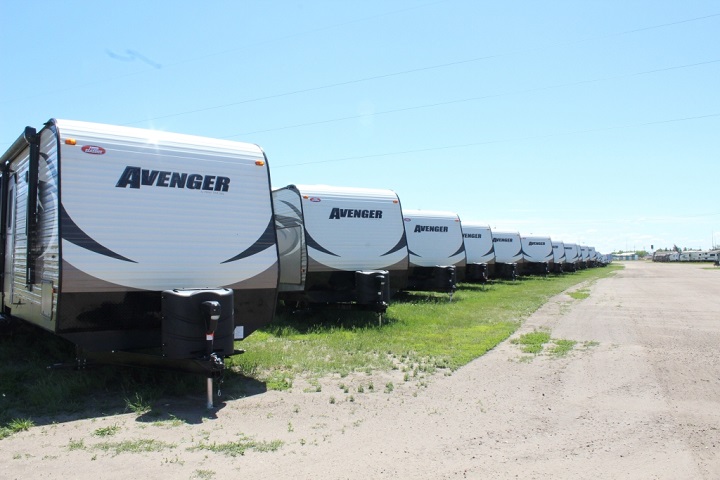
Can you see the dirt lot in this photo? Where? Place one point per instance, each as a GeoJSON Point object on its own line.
{"type": "Point", "coordinates": [637, 397]}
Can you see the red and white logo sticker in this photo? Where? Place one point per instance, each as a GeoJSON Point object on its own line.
{"type": "Point", "coordinates": [314, 199]}
{"type": "Point", "coordinates": [407, 219]}
{"type": "Point", "coordinates": [93, 150]}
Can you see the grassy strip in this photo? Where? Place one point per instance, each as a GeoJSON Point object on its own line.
{"type": "Point", "coordinates": [420, 332]}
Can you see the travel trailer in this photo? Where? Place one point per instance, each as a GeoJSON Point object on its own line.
{"type": "Point", "coordinates": [584, 256]}
{"type": "Point", "coordinates": [436, 248]}
{"type": "Point", "coordinates": [558, 257]}
{"type": "Point", "coordinates": [573, 257]}
{"type": "Point", "coordinates": [340, 245]}
{"type": "Point", "coordinates": [537, 254]}
{"type": "Point", "coordinates": [508, 255]}
{"type": "Point", "coordinates": [122, 239]}
{"type": "Point", "coordinates": [594, 260]}
{"type": "Point", "coordinates": [479, 251]}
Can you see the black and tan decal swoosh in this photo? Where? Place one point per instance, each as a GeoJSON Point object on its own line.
{"type": "Point", "coordinates": [459, 250]}
{"type": "Point", "coordinates": [293, 208]}
{"type": "Point", "coordinates": [266, 240]}
{"type": "Point", "coordinates": [75, 235]}
{"type": "Point", "coordinates": [413, 253]}
{"type": "Point", "coordinates": [492, 250]}
{"type": "Point", "coordinates": [402, 243]}
{"type": "Point", "coordinates": [310, 242]}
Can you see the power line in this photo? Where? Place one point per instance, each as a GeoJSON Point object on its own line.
{"type": "Point", "coordinates": [472, 99]}
{"type": "Point", "coordinates": [416, 70]}
{"type": "Point", "coordinates": [489, 142]}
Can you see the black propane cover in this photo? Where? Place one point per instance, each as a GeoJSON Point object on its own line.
{"type": "Point", "coordinates": [444, 278]}
{"type": "Point", "coordinates": [477, 272]}
{"type": "Point", "coordinates": [372, 287]}
{"type": "Point", "coordinates": [186, 325]}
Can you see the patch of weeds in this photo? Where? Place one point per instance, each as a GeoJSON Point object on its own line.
{"type": "Point", "coordinates": [581, 294]}
{"type": "Point", "coordinates": [279, 381]}
{"type": "Point", "coordinates": [239, 447]}
{"type": "Point", "coordinates": [332, 400]}
{"type": "Point", "coordinates": [290, 427]}
{"type": "Point", "coordinates": [361, 389]}
{"type": "Point", "coordinates": [107, 431]}
{"type": "Point", "coordinates": [16, 425]}
{"type": "Point", "coordinates": [76, 444]}
{"type": "Point", "coordinates": [532, 342]}
{"type": "Point", "coordinates": [134, 446]}
{"type": "Point", "coordinates": [171, 421]}
{"type": "Point", "coordinates": [562, 347]}
{"type": "Point", "coordinates": [389, 387]}
{"type": "Point", "coordinates": [137, 405]}
{"type": "Point", "coordinates": [202, 474]}
{"type": "Point", "coordinates": [526, 359]}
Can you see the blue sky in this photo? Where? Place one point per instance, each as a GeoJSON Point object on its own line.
{"type": "Point", "coordinates": [594, 122]}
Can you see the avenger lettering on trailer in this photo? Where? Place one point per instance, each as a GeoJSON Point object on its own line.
{"type": "Point", "coordinates": [537, 243]}
{"type": "Point", "coordinates": [429, 228]}
{"type": "Point", "coordinates": [496, 239]}
{"type": "Point", "coordinates": [134, 177]}
{"type": "Point", "coordinates": [472, 235]}
{"type": "Point", "coordinates": [338, 213]}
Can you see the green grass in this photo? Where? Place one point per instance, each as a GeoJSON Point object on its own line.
{"type": "Point", "coordinates": [133, 446]}
{"type": "Point", "coordinates": [581, 294]}
{"type": "Point", "coordinates": [107, 431]}
{"type": "Point", "coordinates": [421, 332]}
{"type": "Point", "coordinates": [532, 342]}
{"type": "Point", "coordinates": [239, 447]}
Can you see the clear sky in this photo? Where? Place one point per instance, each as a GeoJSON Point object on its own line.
{"type": "Point", "coordinates": [594, 121]}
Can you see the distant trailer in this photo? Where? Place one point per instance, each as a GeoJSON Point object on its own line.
{"type": "Point", "coordinates": [340, 245]}
{"type": "Point", "coordinates": [584, 256]}
{"type": "Point", "coordinates": [436, 248]}
{"type": "Point", "coordinates": [593, 257]}
{"type": "Point", "coordinates": [479, 250]}
{"type": "Point", "coordinates": [537, 255]}
{"type": "Point", "coordinates": [508, 254]}
{"type": "Point", "coordinates": [122, 239]}
{"type": "Point", "coordinates": [558, 257]}
{"type": "Point", "coordinates": [573, 257]}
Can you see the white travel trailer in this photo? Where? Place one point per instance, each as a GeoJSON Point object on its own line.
{"type": "Point", "coordinates": [437, 251]}
{"type": "Point", "coordinates": [584, 256]}
{"type": "Point", "coordinates": [120, 239]}
{"type": "Point", "coordinates": [508, 254]}
{"type": "Point", "coordinates": [558, 257]}
{"type": "Point", "coordinates": [340, 245]}
{"type": "Point", "coordinates": [479, 250]}
{"type": "Point", "coordinates": [538, 255]}
{"type": "Point", "coordinates": [573, 257]}
{"type": "Point", "coordinates": [593, 257]}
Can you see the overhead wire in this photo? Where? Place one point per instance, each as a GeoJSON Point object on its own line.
{"type": "Point", "coordinates": [417, 70]}
{"type": "Point", "coordinates": [489, 142]}
{"type": "Point", "coordinates": [476, 98]}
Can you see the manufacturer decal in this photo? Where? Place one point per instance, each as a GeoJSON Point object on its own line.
{"type": "Point", "coordinates": [429, 228]}
{"type": "Point", "coordinates": [314, 199]}
{"type": "Point", "coordinates": [407, 219]}
{"type": "Point", "coordinates": [135, 177]}
{"type": "Point", "coordinates": [338, 213]}
{"type": "Point", "coordinates": [93, 149]}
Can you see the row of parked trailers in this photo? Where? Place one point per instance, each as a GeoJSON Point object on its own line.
{"type": "Point", "coordinates": [150, 247]}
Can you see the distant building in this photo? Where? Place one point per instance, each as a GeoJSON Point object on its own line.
{"type": "Point", "coordinates": [625, 256]}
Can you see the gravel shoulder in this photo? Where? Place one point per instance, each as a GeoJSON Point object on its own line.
{"type": "Point", "coordinates": [637, 397]}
